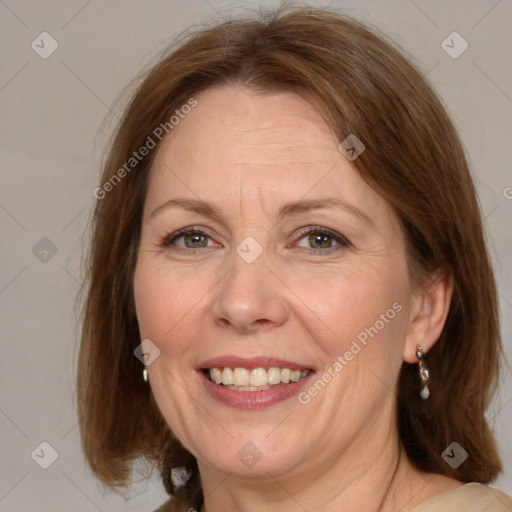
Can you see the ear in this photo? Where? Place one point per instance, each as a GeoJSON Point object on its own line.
{"type": "Point", "coordinates": [429, 307]}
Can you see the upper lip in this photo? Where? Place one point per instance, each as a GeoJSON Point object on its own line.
{"type": "Point", "coordinates": [251, 363]}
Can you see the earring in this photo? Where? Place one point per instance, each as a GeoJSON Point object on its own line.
{"type": "Point", "coordinates": [424, 373]}
{"type": "Point", "coordinates": [145, 375]}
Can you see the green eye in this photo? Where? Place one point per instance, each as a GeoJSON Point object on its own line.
{"type": "Point", "coordinates": [320, 241]}
{"type": "Point", "coordinates": [195, 240]}
{"type": "Point", "coordinates": [188, 238]}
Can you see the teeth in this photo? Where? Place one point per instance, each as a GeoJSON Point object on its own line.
{"type": "Point", "coordinates": [295, 375]}
{"type": "Point", "coordinates": [216, 375]}
{"type": "Point", "coordinates": [274, 376]}
{"type": "Point", "coordinates": [227, 376]}
{"type": "Point", "coordinates": [249, 388]}
{"type": "Point", "coordinates": [241, 377]}
{"type": "Point", "coordinates": [257, 379]}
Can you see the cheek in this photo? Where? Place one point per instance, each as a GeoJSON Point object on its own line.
{"type": "Point", "coordinates": [150, 303]}
{"type": "Point", "coordinates": [156, 306]}
{"type": "Point", "coordinates": [169, 305]}
{"type": "Point", "coordinates": [366, 303]}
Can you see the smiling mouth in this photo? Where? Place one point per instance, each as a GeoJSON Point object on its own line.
{"type": "Point", "coordinates": [256, 379]}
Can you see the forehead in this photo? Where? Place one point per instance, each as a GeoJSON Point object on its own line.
{"type": "Point", "coordinates": [239, 145]}
{"type": "Point", "coordinates": [230, 122]}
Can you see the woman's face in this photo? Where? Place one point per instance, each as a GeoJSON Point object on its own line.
{"type": "Point", "coordinates": [263, 251]}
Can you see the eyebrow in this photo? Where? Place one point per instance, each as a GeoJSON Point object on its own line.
{"type": "Point", "coordinates": [288, 209]}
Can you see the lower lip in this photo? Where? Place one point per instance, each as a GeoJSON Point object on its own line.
{"type": "Point", "coordinates": [253, 399]}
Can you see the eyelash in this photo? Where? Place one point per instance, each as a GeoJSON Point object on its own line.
{"type": "Point", "coordinates": [342, 242]}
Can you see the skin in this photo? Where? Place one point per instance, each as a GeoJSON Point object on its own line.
{"type": "Point", "coordinates": [303, 299]}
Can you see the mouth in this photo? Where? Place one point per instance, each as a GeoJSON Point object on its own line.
{"type": "Point", "coordinates": [255, 379]}
{"type": "Point", "coordinates": [253, 383]}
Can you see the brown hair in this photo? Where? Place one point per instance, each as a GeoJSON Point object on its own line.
{"type": "Point", "coordinates": [413, 158]}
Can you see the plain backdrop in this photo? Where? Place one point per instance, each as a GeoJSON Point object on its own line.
{"type": "Point", "coordinates": [51, 112]}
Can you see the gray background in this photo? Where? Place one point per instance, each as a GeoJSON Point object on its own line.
{"type": "Point", "coordinates": [51, 111]}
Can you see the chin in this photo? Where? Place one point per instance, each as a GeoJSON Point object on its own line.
{"type": "Point", "coordinates": [254, 456]}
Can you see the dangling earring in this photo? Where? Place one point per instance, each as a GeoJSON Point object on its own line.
{"type": "Point", "coordinates": [145, 375]}
{"type": "Point", "coordinates": [424, 373]}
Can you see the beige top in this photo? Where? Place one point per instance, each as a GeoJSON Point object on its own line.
{"type": "Point", "coordinates": [472, 497]}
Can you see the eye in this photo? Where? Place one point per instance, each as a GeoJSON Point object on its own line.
{"type": "Point", "coordinates": [320, 239]}
{"type": "Point", "coordinates": [315, 238]}
{"type": "Point", "coordinates": [188, 238]}
{"type": "Point", "coordinates": [194, 240]}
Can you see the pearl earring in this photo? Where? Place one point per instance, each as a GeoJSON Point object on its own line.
{"type": "Point", "coordinates": [424, 373]}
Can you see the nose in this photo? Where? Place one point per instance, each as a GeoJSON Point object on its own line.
{"type": "Point", "coordinates": [250, 298]}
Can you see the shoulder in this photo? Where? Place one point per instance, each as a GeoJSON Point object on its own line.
{"type": "Point", "coordinates": [471, 497]}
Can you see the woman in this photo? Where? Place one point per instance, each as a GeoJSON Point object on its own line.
{"type": "Point", "coordinates": [287, 236]}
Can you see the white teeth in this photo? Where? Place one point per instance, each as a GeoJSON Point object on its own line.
{"type": "Point", "coordinates": [216, 375]}
{"type": "Point", "coordinates": [257, 379]}
{"type": "Point", "coordinates": [227, 377]}
{"type": "Point", "coordinates": [274, 376]}
{"type": "Point", "coordinates": [295, 375]}
{"type": "Point", "coordinates": [249, 388]}
{"type": "Point", "coordinates": [241, 377]}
